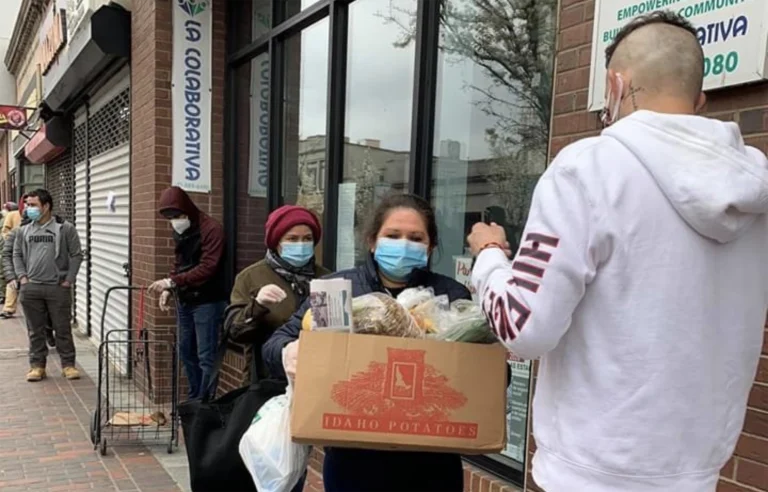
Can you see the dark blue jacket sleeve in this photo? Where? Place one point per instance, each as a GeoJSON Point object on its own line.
{"type": "Point", "coordinates": [272, 350]}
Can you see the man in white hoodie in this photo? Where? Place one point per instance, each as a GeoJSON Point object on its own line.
{"type": "Point", "coordinates": [641, 281]}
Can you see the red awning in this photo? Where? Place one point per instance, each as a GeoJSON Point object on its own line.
{"type": "Point", "coordinates": [40, 150]}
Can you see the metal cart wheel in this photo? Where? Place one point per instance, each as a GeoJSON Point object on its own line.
{"type": "Point", "coordinates": [94, 429]}
{"type": "Point", "coordinates": [103, 446]}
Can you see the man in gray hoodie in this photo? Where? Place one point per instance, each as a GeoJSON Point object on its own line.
{"type": "Point", "coordinates": [46, 258]}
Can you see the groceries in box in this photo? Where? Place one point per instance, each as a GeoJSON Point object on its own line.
{"type": "Point", "coordinates": [416, 313]}
{"type": "Point", "coordinates": [411, 389]}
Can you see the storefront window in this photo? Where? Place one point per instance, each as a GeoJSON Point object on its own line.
{"type": "Point", "coordinates": [252, 141]}
{"type": "Point", "coordinates": [491, 133]}
{"type": "Point", "coordinates": [32, 176]}
{"type": "Point", "coordinates": [289, 8]}
{"type": "Point", "coordinates": [378, 119]}
{"type": "Point", "coordinates": [305, 106]}
{"type": "Point", "coordinates": [253, 20]}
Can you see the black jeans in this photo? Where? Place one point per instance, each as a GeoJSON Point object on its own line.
{"type": "Point", "coordinates": [44, 304]}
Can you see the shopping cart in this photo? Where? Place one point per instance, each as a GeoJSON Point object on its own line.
{"type": "Point", "coordinates": [138, 384]}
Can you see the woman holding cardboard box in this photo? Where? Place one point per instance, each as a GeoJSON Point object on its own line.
{"type": "Point", "coordinates": [401, 237]}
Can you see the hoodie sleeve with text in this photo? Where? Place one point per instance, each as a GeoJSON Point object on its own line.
{"type": "Point", "coordinates": [530, 300]}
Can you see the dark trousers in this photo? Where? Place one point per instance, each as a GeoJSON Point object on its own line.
{"type": "Point", "coordinates": [198, 340]}
{"type": "Point", "coordinates": [44, 304]}
{"type": "Point", "coordinates": [358, 470]}
{"type": "Point", "coordinates": [300, 484]}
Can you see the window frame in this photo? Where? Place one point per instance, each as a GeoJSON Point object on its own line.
{"type": "Point", "coordinates": [425, 86]}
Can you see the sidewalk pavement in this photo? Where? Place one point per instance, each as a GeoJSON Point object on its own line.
{"type": "Point", "coordinates": [45, 428]}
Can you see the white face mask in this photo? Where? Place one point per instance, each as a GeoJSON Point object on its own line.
{"type": "Point", "coordinates": [611, 110]}
{"type": "Point", "coordinates": [180, 225]}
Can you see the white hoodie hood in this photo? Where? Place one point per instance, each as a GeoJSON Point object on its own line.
{"type": "Point", "coordinates": [716, 183]}
{"type": "Point", "coordinates": [642, 284]}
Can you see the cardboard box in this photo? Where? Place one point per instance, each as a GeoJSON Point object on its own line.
{"type": "Point", "coordinates": [377, 392]}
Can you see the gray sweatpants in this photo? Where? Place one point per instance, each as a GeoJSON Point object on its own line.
{"type": "Point", "coordinates": [41, 303]}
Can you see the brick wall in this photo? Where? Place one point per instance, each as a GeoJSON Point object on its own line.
{"type": "Point", "coordinates": [152, 243]}
{"type": "Point", "coordinates": [748, 106]}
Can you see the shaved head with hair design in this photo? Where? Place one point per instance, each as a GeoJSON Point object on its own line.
{"type": "Point", "coordinates": [661, 64]}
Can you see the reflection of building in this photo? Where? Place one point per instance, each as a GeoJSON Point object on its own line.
{"type": "Point", "coordinates": [389, 166]}
{"type": "Point", "coordinates": [364, 156]}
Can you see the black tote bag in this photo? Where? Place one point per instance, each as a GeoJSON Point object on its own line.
{"type": "Point", "coordinates": [213, 429]}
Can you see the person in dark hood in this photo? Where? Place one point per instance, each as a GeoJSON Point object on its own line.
{"type": "Point", "coordinates": [199, 284]}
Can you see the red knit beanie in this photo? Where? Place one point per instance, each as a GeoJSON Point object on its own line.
{"type": "Point", "coordinates": [287, 217]}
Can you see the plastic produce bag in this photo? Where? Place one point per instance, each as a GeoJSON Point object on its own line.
{"type": "Point", "coordinates": [275, 462]}
{"type": "Point", "coordinates": [380, 314]}
{"type": "Point", "coordinates": [427, 309]}
{"type": "Point", "coordinates": [465, 322]}
{"type": "Point", "coordinates": [410, 298]}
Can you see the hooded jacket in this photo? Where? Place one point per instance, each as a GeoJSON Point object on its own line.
{"type": "Point", "coordinates": [642, 283]}
{"type": "Point", "coordinates": [9, 271]}
{"type": "Point", "coordinates": [198, 272]}
{"type": "Point", "coordinates": [47, 254]}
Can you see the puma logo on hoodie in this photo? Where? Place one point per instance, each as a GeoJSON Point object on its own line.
{"type": "Point", "coordinates": [47, 253]}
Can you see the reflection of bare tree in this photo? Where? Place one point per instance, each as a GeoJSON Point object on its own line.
{"type": "Point", "coordinates": [512, 42]}
{"type": "Point", "coordinates": [366, 176]}
{"type": "Point", "coordinates": [512, 183]}
{"type": "Point", "coordinates": [309, 195]}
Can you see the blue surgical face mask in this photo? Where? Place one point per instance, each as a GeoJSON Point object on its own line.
{"type": "Point", "coordinates": [33, 213]}
{"type": "Point", "coordinates": [398, 258]}
{"type": "Point", "coordinates": [297, 254]}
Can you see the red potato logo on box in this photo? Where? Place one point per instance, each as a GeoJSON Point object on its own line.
{"type": "Point", "coordinates": [402, 396]}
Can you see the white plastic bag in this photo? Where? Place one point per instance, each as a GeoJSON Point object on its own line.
{"type": "Point", "coordinates": [276, 463]}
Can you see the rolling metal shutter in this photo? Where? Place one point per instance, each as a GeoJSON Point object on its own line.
{"type": "Point", "coordinates": [60, 182]}
{"type": "Point", "coordinates": [102, 170]}
{"type": "Point", "coordinates": [81, 223]}
{"type": "Point", "coordinates": [109, 241]}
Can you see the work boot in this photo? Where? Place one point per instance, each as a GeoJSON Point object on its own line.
{"type": "Point", "coordinates": [36, 374]}
{"type": "Point", "coordinates": [50, 338]}
{"type": "Point", "coordinates": [70, 373]}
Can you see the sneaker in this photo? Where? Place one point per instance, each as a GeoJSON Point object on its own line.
{"type": "Point", "coordinates": [50, 339]}
{"type": "Point", "coordinates": [6, 315]}
{"type": "Point", "coordinates": [70, 373]}
{"type": "Point", "coordinates": [36, 374]}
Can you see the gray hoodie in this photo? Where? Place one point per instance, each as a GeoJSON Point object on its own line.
{"type": "Point", "coordinates": [47, 253]}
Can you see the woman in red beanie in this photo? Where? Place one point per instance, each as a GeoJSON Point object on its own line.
{"type": "Point", "coordinates": [267, 293]}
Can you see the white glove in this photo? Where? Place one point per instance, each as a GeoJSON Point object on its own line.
{"type": "Point", "coordinates": [160, 286]}
{"type": "Point", "coordinates": [165, 299]}
{"type": "Point", "coordinates": [14, 285]}
{"type": "Point", "coordinates": [290, 355]}
{"type": "Point", "coordinates": [269, 295]}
